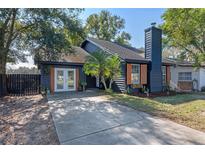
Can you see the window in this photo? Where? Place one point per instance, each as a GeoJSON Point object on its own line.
{"type": "Point", "coordinates": [164, 76]}
{"type": "Point", "coordinates": [135, 74]}
{"type": "Point", "coordinates": [184, 76]}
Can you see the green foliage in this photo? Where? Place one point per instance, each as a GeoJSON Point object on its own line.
{"type": "Point", "coordinates": [203, 89]}
{"type": "Point", "coordinates": [101, 64]}
{"type": "Point", "coordinates": [48, 33]}
{"type": "Point", "coordinates": [95, 64]}
{"type": "Point", "coordinates": [123, 39]}
{"type": "Point", "coordinates": [113, 64]}
{"type": "Point", "coordinates": [109, 91]}
{"type": "Point", "coordinates": [184, 29]}
{"type": "Point", "coordinates": [107, 27]}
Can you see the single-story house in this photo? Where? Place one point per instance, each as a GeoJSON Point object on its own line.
{"type": "Point", "coordinates": [186, 77]}
{"type": "Point", "coordinates": [137, 70]}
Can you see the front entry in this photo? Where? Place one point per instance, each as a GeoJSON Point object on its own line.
{"type": "Point", "coordinates": [65, 79]}
{"type": "Point", "coordinates": [91, 81]}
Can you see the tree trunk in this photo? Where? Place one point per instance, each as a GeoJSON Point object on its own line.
{"type": "Point", "coordinates": [3, 75]}
{"type": "Point", "coordinates": [104, 83]}
{"type": "Point", "coordinates": [110, 85]}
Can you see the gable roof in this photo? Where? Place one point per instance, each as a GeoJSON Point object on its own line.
{"type": "Point", "coordinates": [78, 57]}
{"type": "Point", "coordinates": [123, 52]}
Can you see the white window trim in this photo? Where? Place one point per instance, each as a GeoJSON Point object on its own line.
{"type": "Point", "coordinates": [164, 74]}
{"type": "Point", "coordinates": [65, 74]}
{"type": "Point", "coordinates": [185, 80]}
{"type": "Point", "coordinates": [138, 73]}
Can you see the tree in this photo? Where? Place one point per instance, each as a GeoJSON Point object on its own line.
{"type": "Point", "coordinates": [123, 39]}
{"type": "Point", "coordinates": [184, 29]}
{"type": "Point", "coordinates": [102, 65]}
{"type": "Point", "coordinates": [47, 33]}
{"type": "Point", "coordinates": [107, 27]}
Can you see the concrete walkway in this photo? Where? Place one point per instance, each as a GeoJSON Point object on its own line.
{"type": "Point", "coordinates": [88, 118]}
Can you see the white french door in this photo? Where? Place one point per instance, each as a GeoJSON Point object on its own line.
{"type": "Point", "coordinates": [65, 79]}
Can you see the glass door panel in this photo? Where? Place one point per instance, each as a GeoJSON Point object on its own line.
{"type": "Point", "coordinates": [60, 80]}
{"type": "Point", "coordinates": [70, 80]}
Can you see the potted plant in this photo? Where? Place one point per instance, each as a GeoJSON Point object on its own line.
{"type": "Point", "coordinates": [80, 88]}
{"type": "Point", "coordinates": [168, 89]}
{"type": "Point", "coordinates": [44, 90]}
{"type": "Point", "coordinates": [147, 92]}
{"type": "Point", "coordinates": [83, 84]}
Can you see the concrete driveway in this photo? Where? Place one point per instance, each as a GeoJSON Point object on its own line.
{"type": "Point", "coordinates": [88, 118]}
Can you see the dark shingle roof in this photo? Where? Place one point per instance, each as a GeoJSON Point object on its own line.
{"type": "Point", "coordinates": [114, 48]}
{"type": "Point", "coordinates": [78, 56]}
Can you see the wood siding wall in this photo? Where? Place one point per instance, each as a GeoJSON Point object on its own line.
{"type": "Point", "coordinates": [129, 73]}
{"type": "Point", "coordinates": [77, 78]}
{"type": "Point", "coordinates": [143, 74]}
{"type": "Point", "coordinates": [52, 76]}
{"type": "Point", "coordinates": [168, 74]}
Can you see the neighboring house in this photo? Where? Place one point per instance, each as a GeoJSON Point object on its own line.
{"type": "Point", "coordinates": [136, 70]}
{"type": "Point", "coordinates": [185, 77]}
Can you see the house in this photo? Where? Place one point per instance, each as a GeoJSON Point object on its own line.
{"type": "Point", "coordinates": [136, 70]}
{"type": "Point", "coordinates": [185, 77]}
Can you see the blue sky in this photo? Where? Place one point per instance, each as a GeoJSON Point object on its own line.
{"type": "Point", "coordinates": [136, 21]}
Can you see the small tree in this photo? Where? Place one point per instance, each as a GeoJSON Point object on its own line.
{"type": "Point", "coordinates": [113, 64]}
{"type": "Point", "coordinates": [100, 64]}
{"type": "Point", "coordinates": [95, 65]}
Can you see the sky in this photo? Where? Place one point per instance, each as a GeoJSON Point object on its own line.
{"type": "Point", "coordinates": [136, 21]}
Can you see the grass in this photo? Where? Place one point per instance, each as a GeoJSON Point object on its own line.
{"type": "Point", "coordinates": [186, 109]}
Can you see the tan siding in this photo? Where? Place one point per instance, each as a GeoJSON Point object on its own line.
{"type": "Point", "coordinates": [52, 74]}
{"type": "Point", "coordinates": [143, 74]}
{"type": "Point", "coordinates": [129, 72]}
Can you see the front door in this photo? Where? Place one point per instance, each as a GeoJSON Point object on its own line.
{"type": "Point", "coordinates": [64, 79]}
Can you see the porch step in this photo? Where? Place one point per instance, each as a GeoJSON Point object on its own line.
{"type": "Point", "coordinates": [120, 84]}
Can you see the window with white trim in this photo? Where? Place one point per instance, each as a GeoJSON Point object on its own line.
{"type": "Point", "coordinates": [135, 73]}
{"type": "Point", "coordinates": [164, 76]}
{"type": "Point", "coordinates": [185, 76]}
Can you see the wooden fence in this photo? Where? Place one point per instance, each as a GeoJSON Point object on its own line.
{"type": "Point", "coordinates": [1, 85]}
{"type": "Point", "coordinates": [22, 84]}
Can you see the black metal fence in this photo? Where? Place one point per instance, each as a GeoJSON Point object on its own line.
{"type": "Point", "coordinates": [21, 84]}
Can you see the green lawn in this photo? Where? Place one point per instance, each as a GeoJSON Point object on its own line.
{"type": "Point", "coordinates": [186, 109]}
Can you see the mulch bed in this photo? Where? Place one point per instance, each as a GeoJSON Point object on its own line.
{"type": "Point", "coordinates": [153, 95]}
{"type": "Point", "coordinates": [26, 120]}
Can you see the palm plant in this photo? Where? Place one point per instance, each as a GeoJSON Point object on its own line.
{"type": "Point", "coordinates": [95, 65]}
{"type": "Point", "coordinates": [113, 64]}
{"type": "Point", "coordinates": [103, 65]}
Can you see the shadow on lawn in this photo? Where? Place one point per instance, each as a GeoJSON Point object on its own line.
{"type": "Point", "coordinates": [180, 98]}
{"type": "Point", "coordinates": [26, 120]}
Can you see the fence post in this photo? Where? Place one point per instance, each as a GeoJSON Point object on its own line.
{"type": "Point", "coordinates": [3, 89]}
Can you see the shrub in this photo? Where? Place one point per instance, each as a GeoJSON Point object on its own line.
{"type": "Point", "coordinates": [203, 89]}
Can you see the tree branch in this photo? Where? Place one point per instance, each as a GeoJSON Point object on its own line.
{"type": "Point", "coordinates": [8, 43]}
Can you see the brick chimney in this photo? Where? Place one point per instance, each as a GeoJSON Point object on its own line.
{"type": "Point", "coordinates": [153, 53]}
